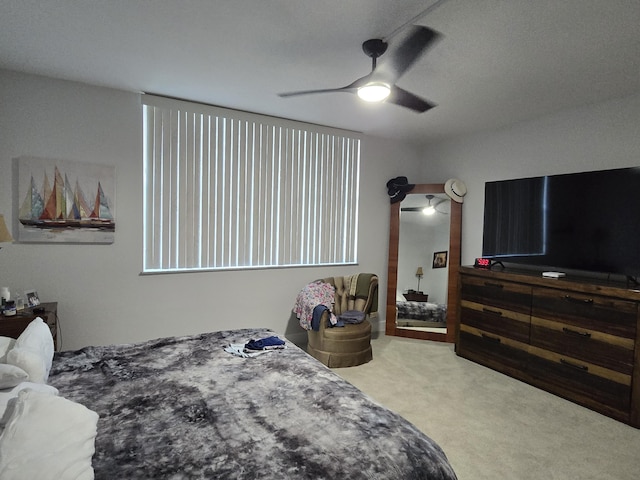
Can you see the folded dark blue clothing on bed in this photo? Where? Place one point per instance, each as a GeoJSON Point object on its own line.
{"type": "Point", "coordinates": [264, 343]}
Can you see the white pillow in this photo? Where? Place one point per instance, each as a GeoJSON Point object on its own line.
{"type": "Point", "coordinates": [48, 438]}
{"type": "Point", "coordinates": [10, 376]}
{"type": "Point", "coordinates": [31, 362]}
{"type": "Point", "coordinates": [6, 344]}
{"type": "Point", "coordinates": [36, 340]}
{"type": "Point", "coordinates": [7, 395]}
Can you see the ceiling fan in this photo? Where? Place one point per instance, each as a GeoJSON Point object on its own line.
{"type": "Point", "coordinates": [428, 209]}
{"type": "Point", "coordinates": [380, 84]}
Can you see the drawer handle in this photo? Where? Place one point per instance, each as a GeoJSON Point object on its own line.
{"type": "Point", "coordinates": [494, 285]}
{"type": "Point", "coordinates": [492, 312]}
{"type": "Point", "coordinates": [490, 338]}
{"type": "Point", "coordinates": [575, 332]}
{"type": "Point", "coordinates": [582, 368]}
{"type": "Point", "coordinates": [587, 301]}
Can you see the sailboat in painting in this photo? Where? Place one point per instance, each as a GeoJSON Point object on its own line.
{"type": "Point", "coordinates": [64, 206]}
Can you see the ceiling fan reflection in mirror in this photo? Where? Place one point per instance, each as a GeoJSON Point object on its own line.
{"type": "Point", "coordinates": [429, 209]}
{"type": "Point", "coordinates": [380, 84]}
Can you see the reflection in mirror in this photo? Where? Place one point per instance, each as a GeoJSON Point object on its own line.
{"type": "Point", "coordinates": [423, 260]}
{"type": "Point", "coordinates": [424, 256]}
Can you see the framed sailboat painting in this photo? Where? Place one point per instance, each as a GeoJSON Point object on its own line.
{"type": "Point", "coordinates": [62, 201]}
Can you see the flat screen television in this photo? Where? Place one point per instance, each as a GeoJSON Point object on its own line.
{"type": "Point", "coordinates": [586, 221]}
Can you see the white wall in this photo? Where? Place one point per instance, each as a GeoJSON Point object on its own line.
{"type": "Point", "coordinates": [101, 297]}
{"type": "Point", "coordinates": [594, 137]}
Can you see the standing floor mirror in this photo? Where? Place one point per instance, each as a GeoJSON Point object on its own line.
{"type": "Point", "coordinates": [424, 259]}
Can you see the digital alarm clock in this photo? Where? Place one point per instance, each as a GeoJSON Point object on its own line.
{"type": "Point", "coordinates": [482, 263]}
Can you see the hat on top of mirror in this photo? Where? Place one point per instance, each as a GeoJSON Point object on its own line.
{"type": "Point", "coordinates": [398, 187]}
{"type": "Point", "coordinates": [456, 189]}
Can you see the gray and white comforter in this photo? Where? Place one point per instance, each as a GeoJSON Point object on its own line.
{"type": "Point", "coordinates": [183, 408]}
{"type": "Point", "coordinates": [427, 312]}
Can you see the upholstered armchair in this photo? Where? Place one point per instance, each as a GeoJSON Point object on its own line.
{"type": "Point", "coordinates": [347, 345]}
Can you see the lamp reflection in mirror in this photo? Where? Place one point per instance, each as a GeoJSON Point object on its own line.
{"type": "Point", "coordinates": [419, 274]}
{"type": "Point", "coordinates": [5, 236]}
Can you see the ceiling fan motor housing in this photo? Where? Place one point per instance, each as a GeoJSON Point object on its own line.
{"type": "Point", "coordinates": [374, 48]}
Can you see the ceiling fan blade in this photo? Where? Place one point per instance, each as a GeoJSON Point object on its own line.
{"type": "Point", "coordinates": [400, 59]}
{"type": "Point", "coordinates": [420, 209]}
{"type": "Point", "coordinates": [310, 92]}
{"type": "Point", "coordinates": [401, 97]}
{"type": "Point", "coordinates": [351, 88]}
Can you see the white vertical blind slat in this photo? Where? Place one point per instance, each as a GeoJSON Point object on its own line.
{"type": "Point", "coordinates": [169, 153]}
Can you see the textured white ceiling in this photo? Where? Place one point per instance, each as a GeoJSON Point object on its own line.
{"type": "Point", "coordinates": [499, 61]}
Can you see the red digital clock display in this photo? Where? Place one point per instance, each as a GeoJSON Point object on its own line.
{"type": "Point", "coordinates": [483, 263]}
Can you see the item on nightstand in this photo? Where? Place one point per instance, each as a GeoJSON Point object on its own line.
{"type": "Point", "coordinates": [4, 294]}
{"type": "Point", "coordinates": [32, 298]}
{"type": "Point", "coordinates": [9, 308]}
{"type": "Point", "coordinates": [19, 302]}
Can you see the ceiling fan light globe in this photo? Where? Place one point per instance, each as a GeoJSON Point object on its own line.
{"type": "Point", "coordinates": [374, 92]}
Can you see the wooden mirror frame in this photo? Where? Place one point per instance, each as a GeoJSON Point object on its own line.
{"type": "Point", "coordinates": [453, 291]}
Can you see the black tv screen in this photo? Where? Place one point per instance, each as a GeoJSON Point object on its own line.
{"type": "Point", "coordinates": [581, 221]}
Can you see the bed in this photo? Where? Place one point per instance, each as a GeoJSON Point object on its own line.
{"type": "Point", "coordinates": [183, 407]}
{"type": "Point", "coordinates": [421, 314]}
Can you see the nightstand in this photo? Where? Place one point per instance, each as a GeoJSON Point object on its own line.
{"type": "Point", "coordinates": [14, 325]}
{"type": "Point", "coordinates": [416, 297]}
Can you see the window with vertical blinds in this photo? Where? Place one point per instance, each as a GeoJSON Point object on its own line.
{"type": "Point", "coordinates": [225, 189]}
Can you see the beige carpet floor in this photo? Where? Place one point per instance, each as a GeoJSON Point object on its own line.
{"type": "Point", "coordinates": [491, 426]}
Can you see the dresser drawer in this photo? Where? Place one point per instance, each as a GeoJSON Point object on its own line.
{"type": "Point", "coordinates": [496, 293]}
{"type": "Point", "coordinates": [499, 321]}
{"type": "Point", "coordinates": [592, 312]}
{"type": "Point", "coordinates": [593, 346]}
{"type": "Point", "coordinates": [497, 352]}
{"type": "Point", "coordinates": [596, 387]}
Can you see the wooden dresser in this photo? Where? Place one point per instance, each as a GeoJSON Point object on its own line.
{"type": "Point", "coordinates": [572, 337]}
